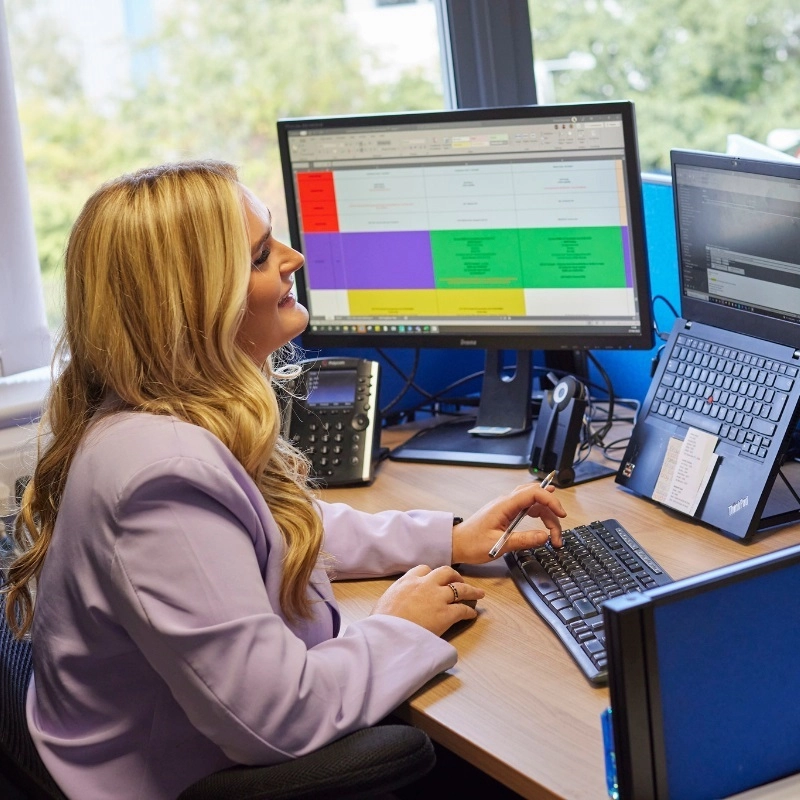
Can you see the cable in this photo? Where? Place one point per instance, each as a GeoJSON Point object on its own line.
{"type": "Point", "coordinates": [598, 436]}
{"type": "Point", "coordinates": [616, 444]}
{"type": "Point", "coordinates": [409, 380]}
{"type": "Point", "coordinates": [438, 397]}
{"type": "Point", "coordinates": [433, 400]}
{"type": "Point", "coordinates": [659, 334]}
{"type": "Point", "coordinates": [630, 402]}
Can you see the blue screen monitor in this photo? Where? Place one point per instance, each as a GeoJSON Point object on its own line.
{"type": "Point", "coordinates": [704, 681]}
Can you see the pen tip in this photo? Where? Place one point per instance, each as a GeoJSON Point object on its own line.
{"type": "Point", "coordinates": [549, 478]}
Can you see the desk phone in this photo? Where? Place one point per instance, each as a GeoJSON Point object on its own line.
{"type": "Point", "coordinates": [333, 417]}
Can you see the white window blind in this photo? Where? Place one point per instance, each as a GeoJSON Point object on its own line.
{"type": "Point", "coordinates": [24, 338]}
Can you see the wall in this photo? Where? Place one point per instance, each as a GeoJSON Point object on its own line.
{"type": "Point", "coordinates": [630, 371]}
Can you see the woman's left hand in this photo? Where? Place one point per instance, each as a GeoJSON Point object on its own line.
{"type": "Point", "coordinates": [475, 536]}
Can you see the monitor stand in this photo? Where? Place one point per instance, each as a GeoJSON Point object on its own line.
{"type": "Point", "coordinates": [451, 443]}
{"type": "Point", "coordinates": [500, 436]}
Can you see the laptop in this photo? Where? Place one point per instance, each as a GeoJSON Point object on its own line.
{"type": "Point", "coordinates": [713, 435]}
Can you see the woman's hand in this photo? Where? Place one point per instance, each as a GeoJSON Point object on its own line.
{"type": "Point", "coordinates": [474, 537]}
{"type": "Point", "coordinates": [431, 598]}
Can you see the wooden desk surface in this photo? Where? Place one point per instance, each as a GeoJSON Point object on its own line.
{"type": "Point", "coordinates": [516, 705]}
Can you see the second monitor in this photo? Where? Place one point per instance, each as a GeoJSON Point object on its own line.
{"type": "Point", "coordinates": [506, 228]}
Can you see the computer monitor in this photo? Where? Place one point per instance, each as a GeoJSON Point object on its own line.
{"type": "Point", "coordinates": [704, 681]}
{"type": "Point", "coordinates": [512, 228]}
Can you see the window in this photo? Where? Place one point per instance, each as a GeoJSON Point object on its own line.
{"type": "Point", "coordinates": [696, 71]}
{"type": "Point", "coordinates": [103, 88]}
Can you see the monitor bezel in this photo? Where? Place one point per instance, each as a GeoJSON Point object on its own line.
{"type": "Point", "coordinates": [583, 339]}
{"type": "Point", "coordinates": [748, 322]}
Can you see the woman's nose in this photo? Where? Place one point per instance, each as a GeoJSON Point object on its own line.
{"type": "Point", "coordinates": [293, 261]}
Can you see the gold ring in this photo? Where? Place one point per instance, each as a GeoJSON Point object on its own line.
{"type": "Point", "coordinates": [455, 592]}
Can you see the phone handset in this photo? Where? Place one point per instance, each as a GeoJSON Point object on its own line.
{"type": "Point", "coordinates": [558, 430]}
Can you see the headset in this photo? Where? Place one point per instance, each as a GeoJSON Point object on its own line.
{"type": "Point", "coordinates": [558, 430]}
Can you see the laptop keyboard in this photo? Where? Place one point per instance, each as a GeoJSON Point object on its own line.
{"type": "Point", "coordinates": [733, 394]}
{"type": "Point", "coordinates": [568, 586]}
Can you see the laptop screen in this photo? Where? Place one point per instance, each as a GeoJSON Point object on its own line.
{"type": "Point", "coordinates": [738, 229]}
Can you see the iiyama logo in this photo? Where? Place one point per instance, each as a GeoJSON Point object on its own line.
{"type": "Point", "coordinates": [468, 342]}
{"type": "Point", "coordinates": [738, 505]}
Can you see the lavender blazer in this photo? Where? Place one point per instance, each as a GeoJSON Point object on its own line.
{"type": "Point", "coordinates": [161, 652]}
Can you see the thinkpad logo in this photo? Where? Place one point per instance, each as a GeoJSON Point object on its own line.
{"type": "Point", "coordinates": [738, 505]}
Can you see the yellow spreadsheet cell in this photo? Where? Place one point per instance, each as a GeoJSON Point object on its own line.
{"type": "Point", "coordinates": [392, 302]}
{"type": "Point", "coordinates": [436, 302]}
{"type": "Point", "coordinates": [482, 302]}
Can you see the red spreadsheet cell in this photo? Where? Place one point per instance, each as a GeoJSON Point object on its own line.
{"type": "Point", "coordinates": [321, 223]}
{"type": "Point", "coordinates": [318, 202]}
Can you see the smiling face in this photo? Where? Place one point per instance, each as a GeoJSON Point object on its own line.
{"type": "Point", "coordinates": [273, 316]}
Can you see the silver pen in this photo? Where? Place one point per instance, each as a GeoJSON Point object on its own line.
{"type": "Point", "coordinates": [516, 521]}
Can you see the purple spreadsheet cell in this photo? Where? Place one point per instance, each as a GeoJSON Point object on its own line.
{"type": "Point", "coordinates": [323, 255]}
{"type": "Point", "coordinates": [387, 260]}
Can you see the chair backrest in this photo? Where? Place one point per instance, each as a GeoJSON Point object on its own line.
{"type": "Point", "coordinates": [21, 762]}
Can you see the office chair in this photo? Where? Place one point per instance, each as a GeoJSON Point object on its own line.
{"type": "Point", "coordinates": [369, 763]}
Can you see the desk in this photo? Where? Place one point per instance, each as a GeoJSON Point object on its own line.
{"type": "Point", "coordinates": [540, 735]}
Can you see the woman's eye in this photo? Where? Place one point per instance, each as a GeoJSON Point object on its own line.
{"type": "Point", "coordinates": [261, 259]}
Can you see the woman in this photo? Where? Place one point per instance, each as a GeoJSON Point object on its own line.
{"type": "Point", "coordinates": [184, 619]}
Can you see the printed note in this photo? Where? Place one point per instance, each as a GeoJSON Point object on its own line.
{"type": "Point", "coordinates": [664, 481]}
{"type": "Point", "coordinates": [686, 471]}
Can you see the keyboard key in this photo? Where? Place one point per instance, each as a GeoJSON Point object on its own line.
{"type": "Point", "coordinates": [601, 637]}
{"type": "Point", "coordinates": [705, 423]}
{"type": "Point", "coordinates": [777, 406]}
{"type": "Point", "coordinates": [585, 608]}
{"type": "Point", "coordinates": [539, 578]}
{"type": "Point", "coordinates": [763, 427]}
{"type": "Point", "coordinates": [568, 614]}
{"type": "Point", "coordinates": [594, 646]}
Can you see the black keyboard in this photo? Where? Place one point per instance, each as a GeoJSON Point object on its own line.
{"type": "Point", "coordinates": [733, 394]}
{"type": "Point", "coordinates": [568, 586]}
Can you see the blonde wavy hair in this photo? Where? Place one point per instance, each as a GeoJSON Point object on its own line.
{"type": "Point", "coordinates": [157, 272]}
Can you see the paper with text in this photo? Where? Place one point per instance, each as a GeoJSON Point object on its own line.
{"type": "Point", "coordinates": [687, 469]}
